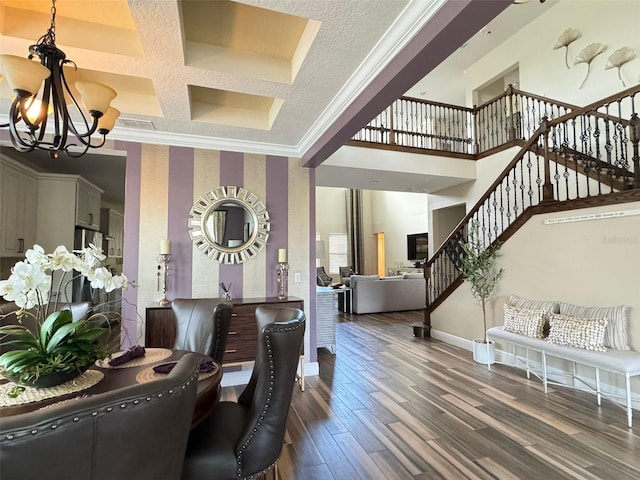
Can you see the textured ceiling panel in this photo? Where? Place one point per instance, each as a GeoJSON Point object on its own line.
{"type": "Point", "coordinates": [245, 40]}
{"type": "Point", "coordinates": [233, 108]}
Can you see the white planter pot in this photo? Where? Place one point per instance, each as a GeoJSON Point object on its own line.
{"type": "Point", "coordinates": [484, 353]}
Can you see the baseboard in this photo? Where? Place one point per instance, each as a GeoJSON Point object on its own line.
{"type": "Point", "coordinates": [554, 374]}
{"type": "Point", "coordinates": [241, 377]}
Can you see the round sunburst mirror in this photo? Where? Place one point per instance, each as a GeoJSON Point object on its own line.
{"type": "Point", "coordinates": [229, 224]}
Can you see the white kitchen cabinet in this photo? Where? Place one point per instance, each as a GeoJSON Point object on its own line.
{"type": "Point", "coordinates": [62, 200]}
{"type": "Point", "coordinates": [87, 205]}
{"type": "Point", "coordinates": [18, 199]}
{"type": "Point", "coordinates": [112, 225]}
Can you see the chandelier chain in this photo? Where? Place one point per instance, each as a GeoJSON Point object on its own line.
{"type": "Point", "coordinates": [49, 38]}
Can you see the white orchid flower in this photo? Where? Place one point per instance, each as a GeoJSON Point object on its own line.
{"type": "Point", "coordinates": [100, 278]}
{"type": "Point", "coordinates": [12, 287]}
{"type": "Point", "coordinates": [37, 256]}
{"type": "Point", "coordinates": [120, 281]}
{"type": "Point", "coordinates": [91, 255]}
{"type": "Point", "coordinates": [62, 259]}
{"type": "Point", "coordinates": [32, 275]}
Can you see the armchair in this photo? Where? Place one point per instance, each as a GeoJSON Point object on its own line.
{"type": "Point", "coordinates": [323, 280]}
{"type": "Point", "coordinates": [345, 273]}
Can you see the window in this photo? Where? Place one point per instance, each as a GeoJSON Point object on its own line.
{"type": "Point", "coordinates": [337, 251]}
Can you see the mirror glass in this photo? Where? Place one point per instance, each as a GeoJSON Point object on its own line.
{"type": "Point", "coordinates": [229, 224]}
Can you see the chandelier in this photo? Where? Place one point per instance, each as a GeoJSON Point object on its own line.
{"type": "Point", "coordinates": [30, 115]}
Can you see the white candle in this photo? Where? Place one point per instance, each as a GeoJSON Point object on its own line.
{"type": "Point", "coordinates": [282, 255]}
{"type": "Point", "coordinates": [164, 246]}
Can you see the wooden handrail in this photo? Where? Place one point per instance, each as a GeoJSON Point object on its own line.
{"type": "Point", "coordinates": [437, 104]}
{"type": "Point", "coordinates": [595, 105]}
{"type": "Point", "coordinates": [499, 179]}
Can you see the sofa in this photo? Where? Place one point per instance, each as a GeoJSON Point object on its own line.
{"type": "Point", "coordinates": [374, 294]}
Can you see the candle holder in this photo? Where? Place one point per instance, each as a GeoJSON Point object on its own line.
{"type": "Point", "coordinates": [163, 278]}
{"type": "Point", "coordinates": [282, 280]}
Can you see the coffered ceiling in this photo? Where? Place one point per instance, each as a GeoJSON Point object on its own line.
{"type": "Point", "coordinates": [264, 76]}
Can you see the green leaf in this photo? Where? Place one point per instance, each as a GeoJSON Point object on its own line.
{"type": "Point", "coordinates": [52, 324]}
{"type": "Point", "coordinates": [61, 334]}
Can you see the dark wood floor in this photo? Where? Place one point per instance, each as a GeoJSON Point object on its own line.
{"type": "Point", "coordinates": [391, 406]}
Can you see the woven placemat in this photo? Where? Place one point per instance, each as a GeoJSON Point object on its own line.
{"type": "Point", "coordinates": [151, 355]}
{"type": "Point", "coordinates": [31, 394]}
{"type": "Point", "coordinates": [148, 375]}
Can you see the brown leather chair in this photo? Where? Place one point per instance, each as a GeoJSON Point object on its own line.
{"type": "Point", "coordinates": [202, 325]}
{"type": "Point", "coordinates": [243, 439]}
{"type": "Point", "coordinates": [136, 432]}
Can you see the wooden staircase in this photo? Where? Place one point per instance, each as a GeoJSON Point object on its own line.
{"type": "Point", "coordinates": [586, 157]}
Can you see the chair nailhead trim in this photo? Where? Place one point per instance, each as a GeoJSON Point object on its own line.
{"type": "Point", "coordinates": [34, 431]}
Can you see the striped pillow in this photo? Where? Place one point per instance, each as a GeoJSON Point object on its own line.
{"type": "Point", "coordinates": [615, 335]}
{"type": "Point", "coordinates": [587, 333]}
{"type": "Point", "coordinates": [524, 321]}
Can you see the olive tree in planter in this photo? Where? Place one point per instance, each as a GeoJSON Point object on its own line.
{"type": "Point", "coordinates": [477, 264]}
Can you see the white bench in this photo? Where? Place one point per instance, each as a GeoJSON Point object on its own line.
{"type": "Point", "coordinates": [623, 362]}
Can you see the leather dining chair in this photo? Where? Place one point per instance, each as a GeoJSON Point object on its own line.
{"type": "Point", "coordinates": [244, 439]}
{"type": "Point", "coordinates": [137, 432]}
{"type": "Point", "coordinates": [202, 325]}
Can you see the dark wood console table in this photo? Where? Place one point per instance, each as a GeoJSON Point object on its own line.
{"type": "Point", "coordinates": [243, 333]}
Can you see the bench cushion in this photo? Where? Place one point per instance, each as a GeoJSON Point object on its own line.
{"type": "Point", "coordinates": [621, 361]}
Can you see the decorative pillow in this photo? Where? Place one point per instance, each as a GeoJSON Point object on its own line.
{"type": "Point", "coordinates": [547, 306]}
{"type": "Point", "coordinates": [615, 335]}
{"type": "Point", "coordinates": [392, 277]}
{"type": "Point", "coordinates": [524, 321]}
{"type": "Point", "coordinates": [587, 333]}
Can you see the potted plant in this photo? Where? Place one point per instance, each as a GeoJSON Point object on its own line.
{"type": "Point", "coordinates": [477, 264]}
{"type": "Point", "coordinates": [53, 348]}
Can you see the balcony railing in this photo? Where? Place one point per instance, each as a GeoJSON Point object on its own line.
{"type": "Point", "coordinates": [414, 123]}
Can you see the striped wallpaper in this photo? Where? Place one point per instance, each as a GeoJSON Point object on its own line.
{"type": "Point", "coordinates": [162, 183]}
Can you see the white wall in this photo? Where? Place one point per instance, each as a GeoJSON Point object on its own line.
{"type": "Point", "coordinates": [398, 214]}
{"type": "Point", "coordinates": [543, 70]}
{"type": "Point", "coordinates": [394, 213]}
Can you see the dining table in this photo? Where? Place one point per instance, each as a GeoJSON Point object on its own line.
{"type": "Point", "coordinates": [109, 378]}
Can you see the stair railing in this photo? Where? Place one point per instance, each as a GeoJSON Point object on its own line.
{"type": "Point", "coordinates": [415, 123]}
{"type": "Point", "coordinates": [588, 152]}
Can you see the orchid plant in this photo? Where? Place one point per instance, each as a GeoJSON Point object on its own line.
{"type": "Point", "coordinates": [57, 343]}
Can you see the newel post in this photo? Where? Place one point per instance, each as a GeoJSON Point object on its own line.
{"type": "Point", "coordinates": [634, 136]}
{"type": "Point", "coordinates": [547, 187]}
{"type": "Point", "coordinates": [423, 329]}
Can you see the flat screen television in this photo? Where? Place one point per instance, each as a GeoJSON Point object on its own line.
{"type": "Point", "coordinates": [417, 247]}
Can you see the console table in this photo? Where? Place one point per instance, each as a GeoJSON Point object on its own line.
{"type": "Point", "coordinates": [242, 341]}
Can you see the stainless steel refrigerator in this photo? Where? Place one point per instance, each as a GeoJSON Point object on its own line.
{"type": "Point", "coordinates": [82, 291]}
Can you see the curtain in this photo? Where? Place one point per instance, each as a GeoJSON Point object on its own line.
{"type": "Point", "coordinates": [354, 229]}
{"type": "Point", "coordinates": [219, 223]}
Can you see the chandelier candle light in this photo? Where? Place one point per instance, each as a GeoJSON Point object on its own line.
{"type": "Point", "coordinates": [163, 271]}
{"type": "Point", "coordinates": [282, 274]}
{"type": "Point", "coordinates": [29, 115]}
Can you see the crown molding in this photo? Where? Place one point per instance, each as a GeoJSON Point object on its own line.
{"type": "Point", "coordinates": [412, 19]}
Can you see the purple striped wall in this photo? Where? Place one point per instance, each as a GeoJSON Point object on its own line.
{"type": "Point", "coordinates": [277, 203]}
{"type": "Point", "coordinates": [131, 238]}
{"type": "Point", "coordinates": [313, 354]}
{"type": "Point", "coordinates": [181, 171]}
{"type": "Point", "coordinates": [231, 173]}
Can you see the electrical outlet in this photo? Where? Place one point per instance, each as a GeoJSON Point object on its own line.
{"type": "Point", "coordinates": [297, 277]}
